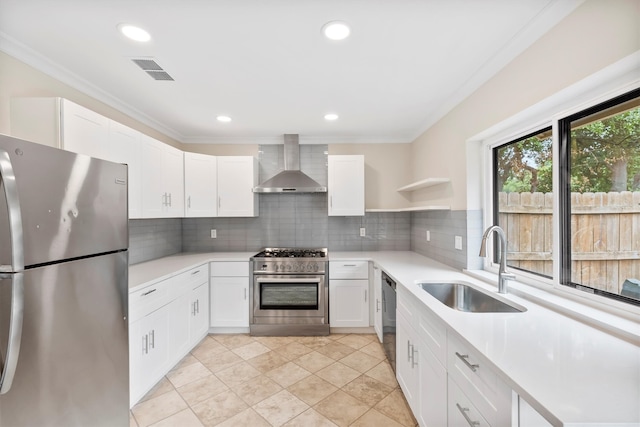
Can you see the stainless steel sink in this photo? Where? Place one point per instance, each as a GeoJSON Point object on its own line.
{"type": "Point", "coordinates": [462, 297]}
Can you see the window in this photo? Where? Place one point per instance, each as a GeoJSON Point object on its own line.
{"type": "Point", "coordinates": [598, 201]}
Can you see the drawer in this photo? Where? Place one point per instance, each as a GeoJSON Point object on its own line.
{"type": "Point", "coordinates": [461, 411]}
{"type": "Point", "coordinates": [148, 299]}
{"type": "Point", "coordinates": [405, 305]}
{"type": "Point", "coordinates": [194, 277]}
{"type": "Point", "coordinates": [480, 383]}
{"type": "Point", "coordinates": [433, 333]}
{"type": "Point", "coordinates": [348, 270]}
{"type": "Point", "coordinates": [230, 269]}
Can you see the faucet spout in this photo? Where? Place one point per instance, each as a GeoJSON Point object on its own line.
{"type": "Point", "coordinates": [503, 276]}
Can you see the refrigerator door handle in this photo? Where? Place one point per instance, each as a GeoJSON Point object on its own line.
{"type": "Point", "coordinates": [8, 178]}
{"type": "Point", "coordinates": [8, 366]}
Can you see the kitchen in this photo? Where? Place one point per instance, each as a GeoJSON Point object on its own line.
{"type": "Point", "coordinates": [393, 221]}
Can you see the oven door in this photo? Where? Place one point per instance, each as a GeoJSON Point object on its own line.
{"type": "Point", "coordinates": [289, 296]}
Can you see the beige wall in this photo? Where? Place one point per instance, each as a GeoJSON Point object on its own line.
{"type": "Point", "coordinates": [387, 167]}
{"type": "Point", "coordinates": [18, 79]}
{"type": "Point", "coordinates": [595, 35]}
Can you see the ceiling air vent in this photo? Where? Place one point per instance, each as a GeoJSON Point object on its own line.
{"type": "Point", "coordinates": [152, 68]}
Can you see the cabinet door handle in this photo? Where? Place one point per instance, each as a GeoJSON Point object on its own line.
{"type": "Point", "coordinates": [413, 357]}
{"type": "Point", "coordinates": [149, 292]}
{"type": "Point", "coordinates": [409, 352]}
{"type": "Point", "coordinates": [219, 202]}
{"type": "Point", "coordinates": [145, 344]}
{"type": "Point", "coordinates": [152, 340]}
{"type": "Point", "coordinates": [189, 202]}
{"type": "Point", "coordinates": [169, 199]}
{"type": "Point", "coordinates": [464, 411]}
{"type": "Point", "coordinates": [377, 305]}
{"type": "Point", "coordinates": [198, 306]}
{"type": "Point", "coordinates": [464, 357]}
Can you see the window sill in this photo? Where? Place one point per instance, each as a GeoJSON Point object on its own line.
{"type": "Point", "coordinates": [618, 322]}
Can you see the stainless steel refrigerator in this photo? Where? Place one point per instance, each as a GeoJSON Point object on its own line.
{"type": "Point", "coordinates": [63, 288]}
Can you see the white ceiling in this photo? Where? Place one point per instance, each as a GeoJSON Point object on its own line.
{"type": "Point", "coordinates": [266, 64]}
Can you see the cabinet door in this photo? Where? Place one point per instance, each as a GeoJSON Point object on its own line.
{"type": "Point", "coordinates": [154, 196]}
{"type": "Point", "coordinates": [377, 301]}
{"type": "Point", "coordinates": [405, 362]}
{"type": "Point", "coordinates": [199, 313]}
{"type": "Point", "coordinates": [229, 302]}
{"type": "Point", "coordinates": [124, 147]}
{"type": "Point", "coordinates": [460, 410]}
{"type": "Point", "coordinates": [179, 319]}
{"type": "Point", "coordinates": [237, 175]}
{"type": "Point", "coordinates": [432, 380]}
{"type": "Point", "coordinates": [346, 185]}
{"type": "Point", "coordinates": [173, 180]}
{"type": "Point", "coordinates": [200, 185]}
{"type": "Point", "coordinates": [529, 417]}
{"type": "Point", "coordinates": [83, 131]}
{"type": "Point", "coordinates": [348, 303]}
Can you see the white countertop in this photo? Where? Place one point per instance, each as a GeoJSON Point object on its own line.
{"type": "Point", "coordinates": [569, 371]}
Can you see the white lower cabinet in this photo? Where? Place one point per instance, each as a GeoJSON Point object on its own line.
{"type": "Point", "coordinates": [529, 417]}
{"type": "Point", "coordinates": [163, 326]}
{"type": "Point", "coordinates": [349, 294]}
{"type": "Point", "coordinates": [461, 411]}
{"type": "Point", "coordinates": [229, 296]}
{"type": "Point", "coordinates": [377, 301]}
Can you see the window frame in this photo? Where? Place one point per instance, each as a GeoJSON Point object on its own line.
{"type": "Point", "coordinates": [551, 112]}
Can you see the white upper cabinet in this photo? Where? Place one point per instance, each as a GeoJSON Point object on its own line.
{"type": "Point", "coordinates": [84, 131]}
{"type": "Point", "coordinates": [237, 175]}
{"type": "Point", "coordinates": [346, 185]}
{"type": "Point", "coordinates": [124, 147]}
{"type": "Point", "coordinates": [200, 185]}
{"type": "Point", "coordinates": [162, 180]}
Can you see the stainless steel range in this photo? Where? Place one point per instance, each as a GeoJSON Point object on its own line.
{"type": "Point", "coordinates": [289, 293]}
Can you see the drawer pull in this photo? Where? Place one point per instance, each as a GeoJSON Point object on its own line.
{"type": "Point", "coordinates": [464, 358]}
{"type": "Point", "coordinates": [149, 292]}
{"type": "Point", "coordinates": [348, 265]}
{"type": "Point", "coordinates": [195, 272]}
{"type": "Point", "coordinates": [464, 411]}
{"type": "Point", "coordinates": [409, 351]}
{"type": "Point", "coordinates": [413, 358]}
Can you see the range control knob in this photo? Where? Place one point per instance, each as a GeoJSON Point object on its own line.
{"type": "Point", "coordinates": [315, 267]}
{"type": "Point", "coordinates": [309, 267]}
{"type": "Point", "coordinates": [289, 267]}
{"type": "Point", "coordinates": [296, 267]}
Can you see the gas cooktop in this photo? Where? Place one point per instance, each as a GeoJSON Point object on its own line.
{"type": "Point", "coordinates": [275, 253]}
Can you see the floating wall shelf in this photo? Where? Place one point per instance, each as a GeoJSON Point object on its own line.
{"type": "Point", "coordinates": [429, 182]}
{"type": "Point", "coordinates": [412, 209]}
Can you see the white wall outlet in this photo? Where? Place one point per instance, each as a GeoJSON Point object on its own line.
{"type": "Point", "coordinates": [428, 236]}
{"type": "Point", "coordinates": [363, 232]}
{"type": "Point", "coordinates": [214, 233]}
{"type": "Point", "coordinates": [458, 242]}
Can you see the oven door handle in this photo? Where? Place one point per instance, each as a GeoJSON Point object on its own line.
{"type": "Point", "coordinates": [290, 279]}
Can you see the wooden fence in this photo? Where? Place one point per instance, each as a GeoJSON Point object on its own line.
{"type": "Point", "coordinates": [605, 235]}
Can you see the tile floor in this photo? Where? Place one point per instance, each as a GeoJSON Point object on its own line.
{"type": "Point", "coordinates": [239, 380]}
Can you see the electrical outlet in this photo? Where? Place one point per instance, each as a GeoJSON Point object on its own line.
{"type": "Point", "coordinates": [214, 233]}
{"type": "Point", "coordinates": [363, 232]}
{"type": "Point", "coordinates": [428, 236]}
{"type": "Point", "coordinates": [458, 242]}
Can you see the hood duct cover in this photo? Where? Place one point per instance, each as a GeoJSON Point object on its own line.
{"type": "Point", "coordinates": [291, 179]}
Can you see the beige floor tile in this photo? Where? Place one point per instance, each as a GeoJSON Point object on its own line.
{"type": "Point", "coordinates": [312, 389]}
{"type": "Point", "coordinates": [310, 418]}
{"type": "Point", "coordinates": [202, 389]}
{"type": "Point", "coordinates": [355, 341]}
{"type": "Point", "coordinates": [395, 406]}
{"type": "Point", "coordinates": [315, 342]}
{"type": "Point", "coordinates": [293, 350]}
{"type": "Point", "coordinates": [374, 418]}
{"type": "Point", "coordinates": [184, 418]}
{"type": "Point", "coordinates": [336, 337]}
{"type": "Point", "coordinates": [221, 361]}
{"type": "Point", "coordinates": [246, 418]}
{"type": "Point", "coordinates": [219, 408]}
{"type": "Point", "coordinates": [132, 420]}
{"type": "Point", "coordinates": [207, 348]}
{"type": "Point", "coordinates": [158, 408]}
{"type": "Point", "coordinates": [288, 374]}
{"type": "Point", "coordinates": [163, 386]}
{"type": "Point", "coordinates": [383, 373]}
{"type": "Point", "coordinates": [237, 374]}
{"type": "Point", "coordinates": [251, 350]}
{"type": "Point", "coordinates": [267, 361]}
{"type": "Point", "coordinates": [374, 349]}
{"type": "Point", "coordinates": [313, 361]}
{"type": "Point", "coordinates": [187, 374]}
{"type": "Point", "coordinates": [232, 341]}
{"type": "Point", "coordinates": [257, 389]}
{"type": "Point", "coordinates": [341, 408]}
{"type": "Point", "coordinates": [338, 374]}
{"type": "Point", "coordinates": [275, 342]}
{"type": "Point", "coordinates": [335, 350]}
{"type": "Point", "coordinates": [360, 361]}
{"type": "Point", "coordinates": [280, 408]}
{"type": "Point", "coordinates": [367, 390]}
{"type": "Point", "coordinates": [189, 359]}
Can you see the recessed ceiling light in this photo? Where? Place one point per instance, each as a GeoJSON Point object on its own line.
{"type": "Point", "coordinates": [134, 33]}
{"type": "Point", "coordinates": [336, 30]}
{"type": "Point", "coordinates": [331, 117]}
{"type": "Point", "coordinates": [223, 119]}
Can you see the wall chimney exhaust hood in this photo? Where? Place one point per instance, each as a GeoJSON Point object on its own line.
{"type": "Point", "coordinates": [291, 179]}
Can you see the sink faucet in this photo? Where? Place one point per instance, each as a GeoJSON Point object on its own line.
{"type": "Point", "coordinates": [503, 276]}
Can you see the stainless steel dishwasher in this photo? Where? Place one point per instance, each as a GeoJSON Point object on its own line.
{"type": "Point", "coordinates": [389, 318]}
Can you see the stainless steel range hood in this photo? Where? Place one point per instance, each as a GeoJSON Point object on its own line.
{"type": "Point", "coordinates": [291, 179]}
